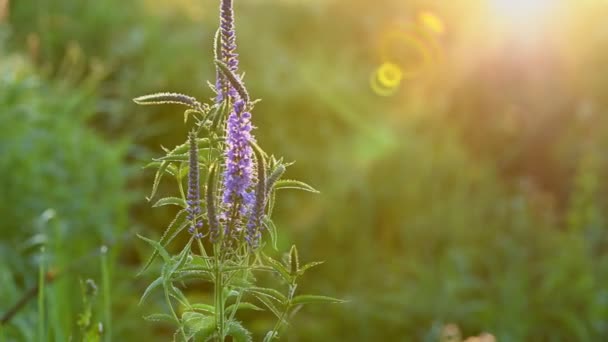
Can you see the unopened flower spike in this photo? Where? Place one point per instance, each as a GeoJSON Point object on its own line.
{"type": "Point", "coordinates": [194, 199]}
{"type": "Point", "coordinates": [257, 212]}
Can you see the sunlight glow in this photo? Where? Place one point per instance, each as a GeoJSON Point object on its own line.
{"type": "Point", "coordinates": [522, 12]}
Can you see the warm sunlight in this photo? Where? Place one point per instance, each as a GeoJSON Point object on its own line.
{"type": "Point", "coordinates": [525, 14]}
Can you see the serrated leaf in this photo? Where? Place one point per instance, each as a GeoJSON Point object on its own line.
{"type": "Point", "coordinates": [294, 261]}
{"type": "Point", "coordinates": [210, 309]}
{"type": "Point", "coordinates": [234, 80]}
{"type": "Point", "coordinates": [242, 306]}
{"type": "Point", "coordinates": [309, 265]}
{"type": "Point", "coordinates": [179, 222]}
{"type": "Point", "coordinates": [157, 246]}
{"type": "Point", "coordinates": [309, 299]}
{"type": "Point", "coordinates": [198, 324]}
{"type": "Point", "coordinates": [268, 303]}
{"type": "Point", "coordinates": [157, 177]}
{"type": "Point", "coordinates": [294, 184]}
{"type": "Point", "coordinates": [178, 295]}
{"type": "Point", "coordinates": [274, 176]}
{"type": "Point", "coordinates": [272, 231]}
{"type": "Point", "coordinates": [270, 336]}
{"type": "Point", "coordinates": [238, 332]}
{"type": "Point", "coordinates": [160, 317]}
{"type": "Point", "coordinates": [170, 201]}
{"type": "Point", "coordinates": [193, 274]}
{"type": "Point", "coordinates": [182, 257]}
{"type": "Point", "coordinates": [168, 98]}
{"type": "Point", "coordinates": [152, 164]}
{"type": "Point", "coordinates": [268, 292]}
{"type": "Point", "coordinates": [157, 282]}
{"type": "Point", "coordinates": [174, 157]}
{"type": "Point", "coordinates": [279, 267]}
{"type": "Point", "coordinates": [217, 44]}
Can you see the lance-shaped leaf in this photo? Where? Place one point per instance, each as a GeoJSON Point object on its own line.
{"type": "Point", "coordinates": [269, 304]}
{"type": "Point", "coordinates": [198, 324]}
{"type": "Point", "coordinates": [157, 246]}
{"type": "Point", "coordinates": [170, 201]}
{"type": "Point", "coordinates": [294, 261]}
{"type": "Point", "coordinates": [234, 80]}
{"type": "Point", "coordinates": [210, 309]}
{"type": "Point", "coordinates": [272, 230]}
{"type": "Point", "coordinates": [268, 292]}
{"type": "Point", "coordinates": [279, 267]}
{"type": "Point", "coordinates": [176, 226]}
{"type": "Point", "coordinates": [156, 283]}
{"type": "Point", "coordinates": [169, 98]}
{"type": "Point", "coordinates": [308, 266]}
{"type": "Point", "coordinates": [160, 317]}
{"type": "Point", "coordinates": [294, 184]}
{"type": "Point", "coordinates": [217, 117]}
{"type": "Point", "coordinates": [242, 306]}
{"type": "Point", "coordinates": [217, 45]}
{"type": "Point", "coordinates": [238, 332]}
{"type": "Point", "coordinates": [309, 299]}
{"type": "Point", "coordinates": [159, 175]}
{"type": "Point", "coordinates": [276, 174]}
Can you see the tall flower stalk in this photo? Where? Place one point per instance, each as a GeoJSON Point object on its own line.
{"type": "Point", "coordinates": [240, 182]}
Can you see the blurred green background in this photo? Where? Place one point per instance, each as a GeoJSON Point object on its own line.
{"type": "Point", "coordinates": [459, 147]}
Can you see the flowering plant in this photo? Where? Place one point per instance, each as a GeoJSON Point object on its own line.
{"type": "Point", "coordinates": [227, 206]}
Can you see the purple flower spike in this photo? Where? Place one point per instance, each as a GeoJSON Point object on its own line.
{"type": "Point", "coordinates": [227, 53]}
{"type": "Point", "coordinates": [238, 173]}
{"type": "Point", "coordinates": [194, 198]}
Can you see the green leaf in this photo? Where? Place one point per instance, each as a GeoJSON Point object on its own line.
{"type": "Point", "coordinates": [178, 295]}
{"type": "Point", "coordinates": [178, 224]}
{"type": "Point", "coordinates": [294, 261]}
{"type": "Point", "coordinates": [309, 299]}
{"type": "Point", "coordinates": [182, 257]}
{"type": "Point", "coordinates": [210, 309]}
{"type": "Point", "coordinates": [234, 80]}
{"type": "Point", "coordinates": [157, 246]}
{"type": "Point", "coordinates": [270, 336]}
{"type": "Point", "coordinates": [171, 201]}
{"type": "Point", "coordinates": [294, 184]}
{"type": "Point", "coordinates": [152, 286]}
{"type": "Point", "coordinates": [238, 332]}
{"type": "Point", "coordinates": [198, 324]}
{"type": "Point", "coordinates": [268, 292]}
{"type": "Point", "coordinates": [157, 177]}
{"type": "Point", "coordinates": [168, 98]}
{"type": "Point", "coordinates": [242, 306]}
{"type": "Point", "coordinates": [217, 44]}
{"type": "Point", "coordinates": [276, 174]}
{"type": "Point", "coordinates": [269, 304]}
{"type": "Point", "coordinates": [174, 157]}
{"type": "Point", "coordinates": [308, 266]}
{"type": "Point", "coordinates": [272, 230]}
{"type": "Point", "coordinates": [160, 317]}
{"type": "Point", "coordinates": [279, 267]}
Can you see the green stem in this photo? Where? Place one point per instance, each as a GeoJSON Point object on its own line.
{"type": "Point", "coordinates": [41, 278]}
{"type": "Point", "coordinates": [240, 295]}
{"type": "Point", "coordinates": [219, 294]}
{"type": "Point", "coordinates": [279, 323]}
{"type": "Point", "coordinates": [107, 303]}
{"type": "Point", "coordinates": [177, 320]}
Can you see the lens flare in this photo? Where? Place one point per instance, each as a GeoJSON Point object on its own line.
{"type": "Point", "coordinates": [405, 48]}
{"type": "Point", "coordinates": [431, 22]}
{"type": "Point", "coordinates": [386, 80]}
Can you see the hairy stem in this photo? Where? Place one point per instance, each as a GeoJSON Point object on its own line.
{"type": "Point", "coordinates": [219, 293]}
